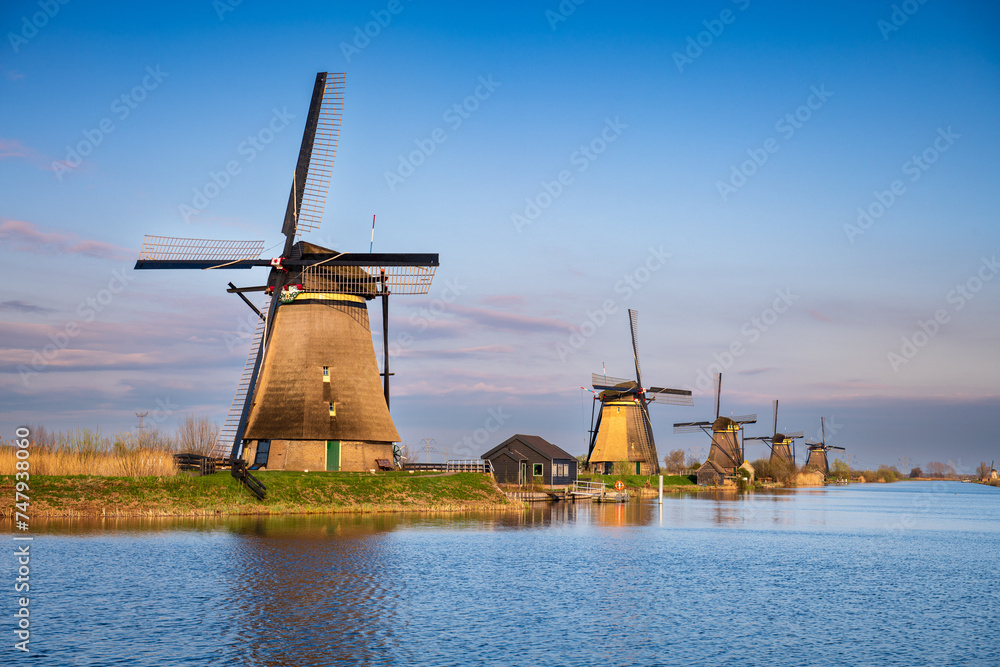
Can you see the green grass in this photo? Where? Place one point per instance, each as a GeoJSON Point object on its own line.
{"type": "Point", "coordinates": [639, 481]}
{"type": "Point", "coordinates": [287, 493]}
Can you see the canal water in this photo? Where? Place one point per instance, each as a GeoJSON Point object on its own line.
{"type": "Point", "coordinates": [894, 574]}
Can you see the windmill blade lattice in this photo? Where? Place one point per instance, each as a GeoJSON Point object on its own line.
{"type": "Point", "coordinates": [224, 439]}
{"type": "Point", "coordinates": [691, 427]}
{"type": "Point", "coordinates": [319, 147]}
{"type": "Point", "coordinates": [633, 319]}
{"type": "Point", "coordinates": [670, 396]}
{"type": "Point", "coordinates": [369, 279]}
{"type": "Point", "coordinates": [718, 393]}
{"type": "Point", "coordinates": [604, 382]}
{"type": "Point", "coordinates": [168, 249]}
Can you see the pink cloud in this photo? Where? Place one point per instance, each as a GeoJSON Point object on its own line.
{"type": "Point", "coordinates": [820, 316]}
{"type": "Point", "coordinates": [508, 321]}
{"type": "Point", "coordinates": [12, 149]}
{"type": "Point", "coordinates": [503, 300]}
{"type": "Point", "coordinates": [25, 237]}
{"type": "Point", "coordinates": [458, 352]}
{"type": "Point", "coordinates": [10, 74]}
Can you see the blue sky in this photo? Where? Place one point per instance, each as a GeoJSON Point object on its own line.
{"type": "Point", "coordinates": [716, 155]}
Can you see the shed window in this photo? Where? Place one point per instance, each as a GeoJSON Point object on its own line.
{"type": "Point", "coordinates": [333, 409]}
{"type": "Point", "coordinates": [326, 373]}
{"type": "Point", "coordinates": [536, 469]}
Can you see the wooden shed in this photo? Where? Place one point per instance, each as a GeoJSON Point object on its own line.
{"type": "Point", "coordinates": [526, 459]}
{"type": "Point", "coordinates": [711, 474]}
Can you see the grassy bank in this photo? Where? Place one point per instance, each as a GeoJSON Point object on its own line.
{"type": "Point", "coordinates": [647, 482]}
{"type": "Point", "coordinates": [287, 493]}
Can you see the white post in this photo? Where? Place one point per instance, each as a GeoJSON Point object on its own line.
{"type": "Point", "coordinates": [661, 489]}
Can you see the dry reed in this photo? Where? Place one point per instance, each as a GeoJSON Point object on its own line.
{"type": "Point", "coordinates": [87, 452]}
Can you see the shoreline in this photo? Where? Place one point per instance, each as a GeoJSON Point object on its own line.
{"type": "Point", "coordinates": [289, 493]}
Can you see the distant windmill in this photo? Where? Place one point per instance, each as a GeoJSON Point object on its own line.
{"type": "Point", "coordinates": [782, 444]}
{"type": "Point", "coordinates": [310, 396]}
{"type": "Point", "coordinates": [623, 431]}
{"type": "Point", "coordinates": [726, 452]}
{"type": "Point", "coordinates": [817, 451]}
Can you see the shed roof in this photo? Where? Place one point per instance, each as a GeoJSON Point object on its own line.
{"type": "Point", "coordinates": [713, 465]}
{"type": "Point", "coordinates": [512, 453]}
{"type": "Point", "coordinates": [538, 444]}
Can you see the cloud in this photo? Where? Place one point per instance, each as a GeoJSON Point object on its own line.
{"type": "Point", "coordinates": [504, 300]}
{"type": "Point", "coordinates": [12, 149]}
{"type": "Point", "coordinates": [820, 316]}
{"type": "Point", "coordinates": [755, 371]}
{"type": "Point", "coordinates": [26, 237]}
{"type": "Point", "coordinates": [496, 319]}
{"type": "Point", "coordinates": [459, 352]}
{"type": "Point", "coordinates": [10, 74]}
{"type": "Point", "coordinates": [76, 360]}
{"type": "Point", "coordinates": [22, 307]}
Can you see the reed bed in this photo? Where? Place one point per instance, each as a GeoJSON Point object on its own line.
{"type": "Point", "coordinates": [86, 452]}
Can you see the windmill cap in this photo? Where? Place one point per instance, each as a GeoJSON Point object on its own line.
{"type": "Point", "coordinates": [624, 387]}
{"type": "Point", "coordinates": [722, 424]}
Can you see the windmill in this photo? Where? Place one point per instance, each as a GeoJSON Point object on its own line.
{"type": "Point", "coordinates": [310, 396]}
{"type": "Point", "coordinates": [782, 445]}
{"type": "Point", "coordinates": [623, 431]}
{"type": "Point", "coordinates": [817, 451]}
{"type": "Point", "coordinates": [726, 452]}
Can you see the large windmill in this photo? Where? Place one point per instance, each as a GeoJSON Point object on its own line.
{"type": "Point", "coordinates": [310, 397]}
{"type": "Point", "coordinates": [623, 431]}
{"type": "Point", "coordinates": [817, 451]}
{"type": "Point", "coordinates": [726, 452]}
{"type": "Point", "coordinates": [782, 445]}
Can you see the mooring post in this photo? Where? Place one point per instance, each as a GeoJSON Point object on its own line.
{"type": "Point", "coordinates": [661, 489]}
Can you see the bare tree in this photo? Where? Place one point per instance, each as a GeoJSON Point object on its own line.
{"type": "Point", "coordinates": [673, 463]}
{"type": "Point", "coordinates": [939, 470]}
{"type": "Point", "coordinates": [983, 470]}
{"type": "Point", "coordinates": [196, 435]}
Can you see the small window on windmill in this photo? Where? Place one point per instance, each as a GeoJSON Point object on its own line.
{"type": "Point", "coordinates": [333, 409]}
{"type": "Point", "coordinates": [326, 373]}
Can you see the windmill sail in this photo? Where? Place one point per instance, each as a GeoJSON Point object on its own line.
{"type": "Point", "coordinates": [633, 320]}
{"type": "Point", "coordinates": [227, 434]}
{"type": "Point", "coordinates": [315, 164]}
{"type": "Point", "coordinates": [164, 252]}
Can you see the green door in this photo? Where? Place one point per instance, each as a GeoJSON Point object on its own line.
{"type": "Point", "coordinates": [333, 454]}
{"type": "Point", "coordinates": [638, 467]}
